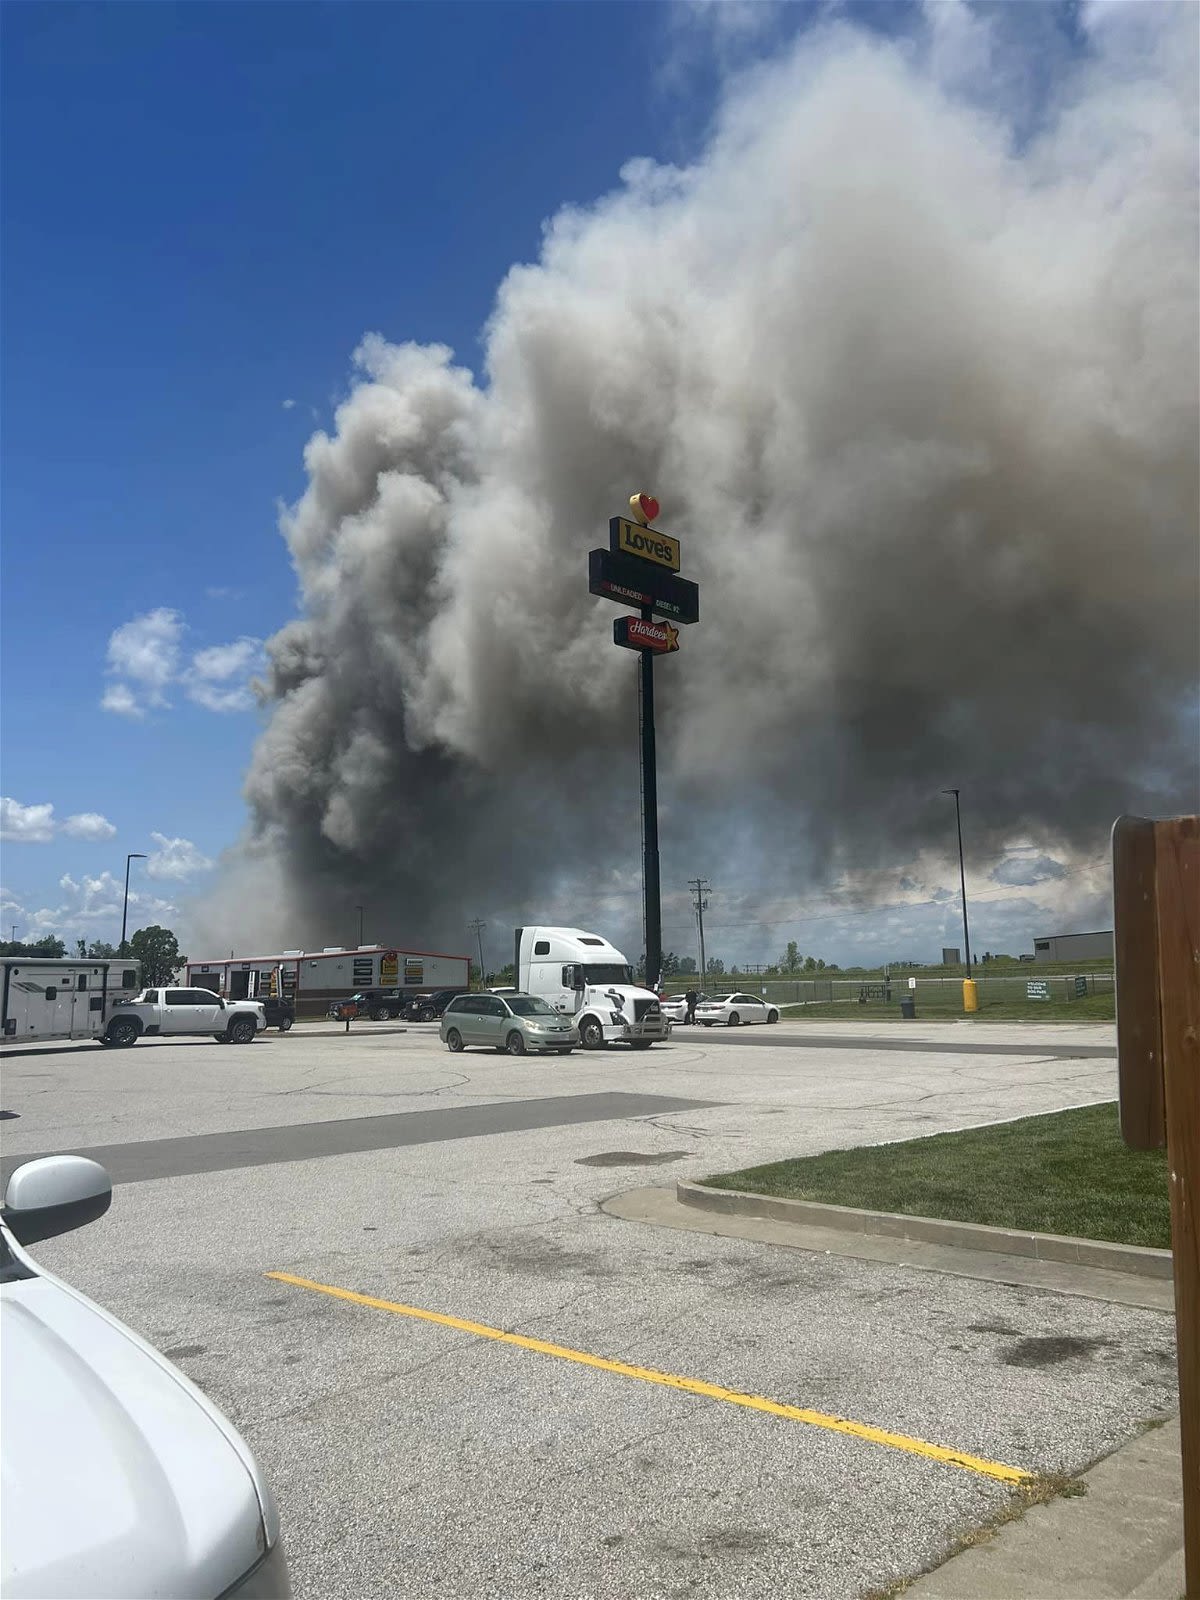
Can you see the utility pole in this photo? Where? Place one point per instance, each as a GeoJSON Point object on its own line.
{"type": "Point", "coordinates": [477, 928]}
{"type": "Point", "coordinates": [699, 888]}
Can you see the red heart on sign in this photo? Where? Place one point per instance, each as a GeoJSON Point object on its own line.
{"type": "Point", "coordinates": [649, 505]}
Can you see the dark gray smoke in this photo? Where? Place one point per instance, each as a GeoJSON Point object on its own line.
{"type": "Point", "coordinates": [919, 397]}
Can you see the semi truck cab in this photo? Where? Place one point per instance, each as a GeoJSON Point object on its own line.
{"type": "Point", "coordinates": [588, 979]}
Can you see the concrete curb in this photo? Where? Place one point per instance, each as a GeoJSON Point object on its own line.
{"type": "Point", "coordinates": [931, 1230]}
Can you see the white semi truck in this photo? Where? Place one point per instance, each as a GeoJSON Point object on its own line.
{"type": "Point", "coordinates": [69, 998]}
{"type": "Point", "coordinates": [588, 979]}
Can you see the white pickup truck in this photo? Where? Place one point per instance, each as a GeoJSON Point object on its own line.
{"type": "Point", "coordinates": [175, 1013]}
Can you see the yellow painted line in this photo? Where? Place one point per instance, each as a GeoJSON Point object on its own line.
{"type": "Point", "coordinates": [711, 1391]}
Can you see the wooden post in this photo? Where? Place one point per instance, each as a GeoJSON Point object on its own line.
{"type": "Point", "coordinates": [1177, 851]}
{"type": "Point", "coordinates": [1156, 883]}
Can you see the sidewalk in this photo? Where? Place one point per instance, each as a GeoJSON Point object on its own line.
{"type": "Point", "coordinates": [1123, 1538]}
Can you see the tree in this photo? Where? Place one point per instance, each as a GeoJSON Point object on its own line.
{"type": "Point", "coordinates": [47, 946]}
{"type": "Point", "coordinates": [791, 957]}
{"type": "Point", "coordinates": [158, 951]}
{"type": "Point", "coordinates": [810, 963]}
{"type": "Point", "coordinates": [101, 950]}
{"type": "Point", "coordinates": [715, 966]}
{"type": "Point", "coordinates": [687, 966]}
{"type": "Point", "coordinates": [821, 964]}
{"type": "Point", "coordinates": [503, 979]}
{"type": "Point", "coordinates": [670, 966]}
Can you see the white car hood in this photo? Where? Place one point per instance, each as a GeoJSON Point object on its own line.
{"type": "Point", "coordinates": [117, 1476]}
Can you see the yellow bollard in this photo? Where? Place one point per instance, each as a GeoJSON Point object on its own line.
{"type": "Point", "coordinates": [970, 995]}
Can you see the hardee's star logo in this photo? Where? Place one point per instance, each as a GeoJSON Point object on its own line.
{"type": "Point", "coordinates": [672, 637]}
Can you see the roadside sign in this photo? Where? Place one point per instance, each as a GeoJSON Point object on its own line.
{"type": "Point", "coordinates": [635, 634]}
{"type": "Point", "coordinates": [629, 580]}
{"type": "Point", "coordinates": [1080, 987]}
{"type": "Point", "coordinates": [1037, 989]}
{"type": "Point", "coordinates": [633, 539]}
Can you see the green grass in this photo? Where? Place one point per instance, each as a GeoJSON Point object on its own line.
{"type": "Point", "coordinates": [1088, 1008]}
{"type": "Point", "coordinates": [1065, 1173]}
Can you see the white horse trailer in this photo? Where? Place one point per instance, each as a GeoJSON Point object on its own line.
{"type": "Point", "coordinates": [67, 999]}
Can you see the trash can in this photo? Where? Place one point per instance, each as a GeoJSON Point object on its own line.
{"type": "Point", "coordinates": [908, 1006]}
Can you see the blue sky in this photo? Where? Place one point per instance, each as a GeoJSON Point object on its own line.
{"type": "Point", "coordinates": [205, 209]}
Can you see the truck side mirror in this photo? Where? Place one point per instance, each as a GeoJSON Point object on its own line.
{"type": "Point", "coordinates": [578, 982]}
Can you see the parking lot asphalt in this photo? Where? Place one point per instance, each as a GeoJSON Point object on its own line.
{"type": "Point", "coordinates": [549, 1400]}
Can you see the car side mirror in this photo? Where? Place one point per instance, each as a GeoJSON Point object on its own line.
{"type": "Point", "coordinates": [53, 1195]}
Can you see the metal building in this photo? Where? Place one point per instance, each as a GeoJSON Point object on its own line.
{"type": "Point", "coordinates": [1074, 947]}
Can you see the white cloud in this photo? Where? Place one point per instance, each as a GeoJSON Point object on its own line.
{"type": "Point", "coordinates": [288, 405]}
{"type": "Point", "coordinates": [119, 698]}
{"type": "Point", "coordinates": [26, 824]}
{"type": "Point", "coordinates": [38, 824]}
{"type": "Point", "coordinates": [95, 903]}
{"type": "Point", "coordinates": [144, 655]}
{"type": "Point", "coordinates": [146, 650]}
{"type": "Point", "coordinates": [223, 592]}
{"type": "Point", "coordinates": [88, 825]}
{"type": "Point", "coordinates": [175, 858]}
{"type": "Point", "coordinates": [212, 669]}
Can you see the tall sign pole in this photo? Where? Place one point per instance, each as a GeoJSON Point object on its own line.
{"type": "Point", "coordinates": [640, 567]}
{"type": "Point", "coordinates": [651, 887]}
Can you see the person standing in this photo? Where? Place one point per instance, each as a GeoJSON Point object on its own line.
{"type": "Point", "coordinates": [691, 997]}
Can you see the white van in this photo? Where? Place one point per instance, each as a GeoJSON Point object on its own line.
{"type": "Point", "coordinates": [586, 978]}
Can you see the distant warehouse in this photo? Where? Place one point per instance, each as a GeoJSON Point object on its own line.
{"type": "Point", "coordinates": [314, 978]}
{"type": "Point", "coordinates": [1074, 947]}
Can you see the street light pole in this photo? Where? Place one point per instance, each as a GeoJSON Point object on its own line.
{"type": "Point", "coordinates": [962, 878]}
{"type": "Point", "coordinates": [135, 855]}
{"type": "Point", "coordinates": [359, 909]}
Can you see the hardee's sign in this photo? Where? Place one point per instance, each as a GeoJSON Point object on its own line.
{"type": "Point", "coordinates": [635, 539]}
{"type": "Point", "coordinates": [637, 634]}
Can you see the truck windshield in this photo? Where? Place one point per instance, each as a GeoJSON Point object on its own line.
{"type": "Point", "coordinates": [607, 972]}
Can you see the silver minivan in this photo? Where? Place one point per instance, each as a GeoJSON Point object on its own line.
{"type": "Point", "coordinates": [513, 1022]}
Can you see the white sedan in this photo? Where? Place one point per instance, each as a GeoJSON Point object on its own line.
{"type": "Point", "coordinates": [732, 1009]}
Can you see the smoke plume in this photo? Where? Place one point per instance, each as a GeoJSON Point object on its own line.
{"type": "Point", "coordinates": [914, 376]}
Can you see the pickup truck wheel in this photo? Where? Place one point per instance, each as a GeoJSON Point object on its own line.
{"type": "Point", "coordinates": [122, 1031]}
{"type": "Point", "coordinates": [591, 1034]}
{"type": "Point", "coordinates": [381, 1014]}
{"type": "Point", "coordinates": [428, 1015]}
{"type": "Point", "coordinates": [454, 1041]}
{"type": "Point", "coordinates": [285, 1024]}
{"type": "Point", "coordinates": [241, 1030]}
{"type": "Point", "coordinates": [515, 1043]}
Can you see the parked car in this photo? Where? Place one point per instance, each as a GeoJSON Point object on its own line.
{"type": "Point", "coordinates": [381, 1005]}
{"type": "Point", "coordinates": [280, 1013]}
{"type": "Point", "coordinates": [674, 1006]}
{"type": "Point", "coordinates": [732, 1009]}
{"type": "Point", "coordinates": [513, 1022]}
{"type": "Point", "coordinates": [429, 1007]}
{"type": "Point", "coordinates": [120, 1477]}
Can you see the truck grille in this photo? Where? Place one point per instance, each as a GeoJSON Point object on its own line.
{"type": "Point", "coordinates": [644, 1008]}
